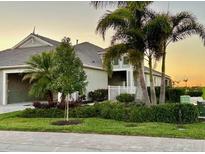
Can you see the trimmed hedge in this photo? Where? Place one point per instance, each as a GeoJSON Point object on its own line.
{"type": "Point", "coordinates": [169, 113]}
{"type": "Point", "coordinates": [195, 93]}
{"type": "Point", "coordinates": [173, 94]}
{"type": "Point", "coordinates": [98, 95]}
{"type": "Point", "coordinates": [42, 113]}
{"type": "Point", "coordinates": [125, 98]}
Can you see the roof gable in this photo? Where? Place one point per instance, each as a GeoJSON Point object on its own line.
{"type": "Point", "coordinates": [34, 40]}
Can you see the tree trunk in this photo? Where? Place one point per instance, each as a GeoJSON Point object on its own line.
{"type": "Point", "coordinates": [50, 96]}
{"type": "Point", "coordinates": [138, 92]}
{"type": "Point", "coordinates": [163, 86]}
{"type": "Point", "coordinates": [63, 98]}
{"type": "Point", "coordinates": [153, 98]}
{"type": "Point", "coordinates": [67, 110]}
{"type": "Point", "coordinates": [145, 95]}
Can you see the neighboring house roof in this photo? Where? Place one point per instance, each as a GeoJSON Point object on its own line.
{"type": "Point", "coordinates": [19, 54]}
{"type": "Point", "coordinates": [87, 52]}
{"type": "Point", "coordinates": [156, 73]}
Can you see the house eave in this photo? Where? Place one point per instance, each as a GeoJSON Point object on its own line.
{"type": "Point", "coordinates": [13, 67]}
{"type": "Point", "coordinates": [24, 66]}
{"type": "Point", "coordinates": [93, 67]}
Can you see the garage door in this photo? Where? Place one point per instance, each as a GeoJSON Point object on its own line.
{"type": "Point", "coordinates": [18, 89]}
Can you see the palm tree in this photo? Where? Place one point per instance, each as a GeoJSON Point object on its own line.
{"type": "Point", "coordinates": [128, 22]}
{"type": "Point", "coordinates": [135, 34]}
{"type": "Point", "coordinates": [182, 25]}
{"type": "Point", "coordinates": [101, 4]}
{"type": "Point", "coordinates": [39, 75]}
{"type": "Point", "coordinates": [139, 30]}
{"type": "Point", "coordinates": [156, 31]}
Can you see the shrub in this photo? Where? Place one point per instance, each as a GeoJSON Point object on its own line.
{"type": "Point", "coordinates": [195, 92]}
{"type": "Point", "coordinates": [105, 110]}
{"type": "Point", "coordinates": [120, 112]}
{"type": "Point", "coordinates": [44, 105]}
{"type": "Point", "coordinates": [201, 109]}
{"type": "Point", "coordinates": [83, 112]}
{"type": "Point", "coordinates": [163, 113]}
{"type": "Point", "coordinates": [37, 104]}
{"type": "Point", "coordinates": [42, 113]}
{"type": "Point", "coordinates": [72, 104]}
{"type": "Point", "coordinates": [125, 98]}
{"type": "Point", "coordinates": [140, 114]}
{"type": "Point", "coordinates": [169, 113]}
{"type": "Point", "coordinates": [173, 94]}
{"type": "Point", "coordinates": [98, 95]}
{"type": "Point", "coordinates": [61, 105]}
{"type": "Point", "coordinates": [186, 113]}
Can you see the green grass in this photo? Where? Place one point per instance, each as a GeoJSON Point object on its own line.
{"type": "Point", "coordinates": [203, 89]}
{"type": "Point", "coordinates": [10, 121]}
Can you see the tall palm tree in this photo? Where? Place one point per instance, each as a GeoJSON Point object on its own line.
{"type": "Point", "coordinates": [139, 30]}
{"type": "Point", "coordinates": [128, 22]}
{"type": "Point", "coordinates": [39, 75]}
{"type": "Point", "coordinates": [101, 4]}
{"type": "Point", "coordinates": [156, 31]}
{"type": "Point", "coordinates": [183, 24]}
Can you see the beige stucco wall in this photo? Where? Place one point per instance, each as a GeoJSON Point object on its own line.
{"type": "Point", "coordinates": [97, 79]}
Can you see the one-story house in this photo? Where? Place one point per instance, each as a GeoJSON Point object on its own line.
{"type": "Point", "coordinates": [13, 66]}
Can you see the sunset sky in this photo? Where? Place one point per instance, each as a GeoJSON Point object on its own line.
{"type": "Point", "coordinates": [78, 20]}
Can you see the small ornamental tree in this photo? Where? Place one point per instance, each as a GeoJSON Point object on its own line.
{"type": "Point", "coordinates": [68, 69]}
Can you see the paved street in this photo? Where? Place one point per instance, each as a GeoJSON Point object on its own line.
{"type": "Point", "coordinates": [43, 141]}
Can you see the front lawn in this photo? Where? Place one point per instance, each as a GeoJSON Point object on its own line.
{"type": "Point", "coordinates": [10, 121]}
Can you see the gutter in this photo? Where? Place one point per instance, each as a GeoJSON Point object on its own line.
{"type": "Point", "coordinates": [23, 66]}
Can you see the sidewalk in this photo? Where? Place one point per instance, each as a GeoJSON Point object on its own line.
{"type": "Point", "coordinates": [44, 141]}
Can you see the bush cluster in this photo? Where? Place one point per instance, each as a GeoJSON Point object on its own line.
{"type": "Point", "coordinates": [57, 105]}
{"type": "Point", "coordinates": [98, 95]}
{"type": "Point", "coordinates": [195, 92]}
{"type": "Point", "coordinates": [42, 113]}
{"type": "Point", "coordinates": [173, 94]}
{"type": "Point", "coordinates": [169, 113]}
{"type": "Point", "coordinates": [125, 98]}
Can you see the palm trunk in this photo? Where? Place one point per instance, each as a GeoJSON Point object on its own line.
{"type": "Point", "coordinates": [138, 92]}
{"type": "Point", "coordinates": [152, 87]}
{"type": "Point", "coordinates": [50, 96]}
{"type": "Point", "coordinates": [145, 95]}
{"type": "Point", "coordinates": [162, 88]}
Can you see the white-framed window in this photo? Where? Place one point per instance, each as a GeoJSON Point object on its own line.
{"type": "Point", "coordinates": [115, 61]}
{"type": "Point", "coordinates": [125, 60]}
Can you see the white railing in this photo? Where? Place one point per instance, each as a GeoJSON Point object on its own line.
{"type": "Point", "coordinates": [114, 91]}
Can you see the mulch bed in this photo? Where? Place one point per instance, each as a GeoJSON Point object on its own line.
{"type": "Point", "coordinates": [69, 122]}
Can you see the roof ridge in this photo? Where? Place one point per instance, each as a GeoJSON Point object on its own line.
{"type": "Point", "coordinates": [44, 38]}
{"type": "Point", "coordinates": [90, 44]}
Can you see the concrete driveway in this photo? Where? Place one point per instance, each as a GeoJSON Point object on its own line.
{"type": "Point", "coordinates": [44, 141]}
{"type": "Point", "coordinates": [15, 107]}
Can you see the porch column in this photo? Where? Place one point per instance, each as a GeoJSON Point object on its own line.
{"type": "Point", "coordinates": [127, 78]}
{"type": "Point", "coordinates": [59, 97]}
{"type": "Point", "coordinates": [131, 78]}
{"type": "Point", "coordinates": [5, 87]}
